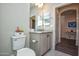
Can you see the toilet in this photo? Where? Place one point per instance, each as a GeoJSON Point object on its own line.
{"type": "Point", "coordinates": [25, 52]}
{"type": "Point", "coordinates": [18, 45]}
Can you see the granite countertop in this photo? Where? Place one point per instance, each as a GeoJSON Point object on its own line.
{"type": "Point", "coordinates": [40, 31]}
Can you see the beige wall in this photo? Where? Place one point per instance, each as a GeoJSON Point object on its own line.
{"type": "Point", "coordinates": [11, 16]}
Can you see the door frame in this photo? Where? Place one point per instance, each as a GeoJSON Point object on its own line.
{"type": "Point", "coordinates": [61, 20]}
{"type": "Point", "coordinates": [59, 29]}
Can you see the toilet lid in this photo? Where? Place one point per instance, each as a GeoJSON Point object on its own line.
{"type": "Point", "coordinates": [25, 52]}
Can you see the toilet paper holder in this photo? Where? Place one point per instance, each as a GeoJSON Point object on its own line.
{"type": "Point", "coordinates": [34, 41]}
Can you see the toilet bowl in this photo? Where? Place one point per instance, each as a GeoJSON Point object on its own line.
{"type": "Point", "coordinates": [25, 52]}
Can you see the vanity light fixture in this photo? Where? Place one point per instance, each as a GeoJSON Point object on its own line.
{"type": "Point", "coordinates": [39, 5]}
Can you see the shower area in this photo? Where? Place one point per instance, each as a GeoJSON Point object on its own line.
{"type": "Point", "coordinates": [66, 41]}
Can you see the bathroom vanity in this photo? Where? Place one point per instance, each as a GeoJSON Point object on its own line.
{"type": "Point", "coordinates": [41, 30]}
{"type": "Point", "coordinates": [40, 42]}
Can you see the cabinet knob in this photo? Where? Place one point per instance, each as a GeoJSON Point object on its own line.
{"type": "Point", "coordinates": [47, 36]}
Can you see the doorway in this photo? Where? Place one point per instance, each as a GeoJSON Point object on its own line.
{"type": "Point", "coordinates": [67, 31]}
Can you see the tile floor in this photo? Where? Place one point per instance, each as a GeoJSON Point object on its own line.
{"type": "Point", "coordinates": [56, 53]}
{"type": "Point", "coordinates": [67, 46]}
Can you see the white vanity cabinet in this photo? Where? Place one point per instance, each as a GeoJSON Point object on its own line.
{"type": "Point", "coordinates": [40, 42]}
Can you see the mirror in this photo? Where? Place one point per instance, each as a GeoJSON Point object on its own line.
{"type": "Point", "coordinates": [40, 17]}
{"type": "Point", "coordinates": [32, 22]}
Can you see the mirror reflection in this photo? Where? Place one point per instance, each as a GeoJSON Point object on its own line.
{"type": "Point", "coordinates": [40, 17]}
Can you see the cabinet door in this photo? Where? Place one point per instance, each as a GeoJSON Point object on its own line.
{"type": "Point", "coordinates": [43, 44]}
{"type": "Point", "coordinates": [35, 46]}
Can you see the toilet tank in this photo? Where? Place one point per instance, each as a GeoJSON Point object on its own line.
{"type": "Point", "coordinates": [18, 41]}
